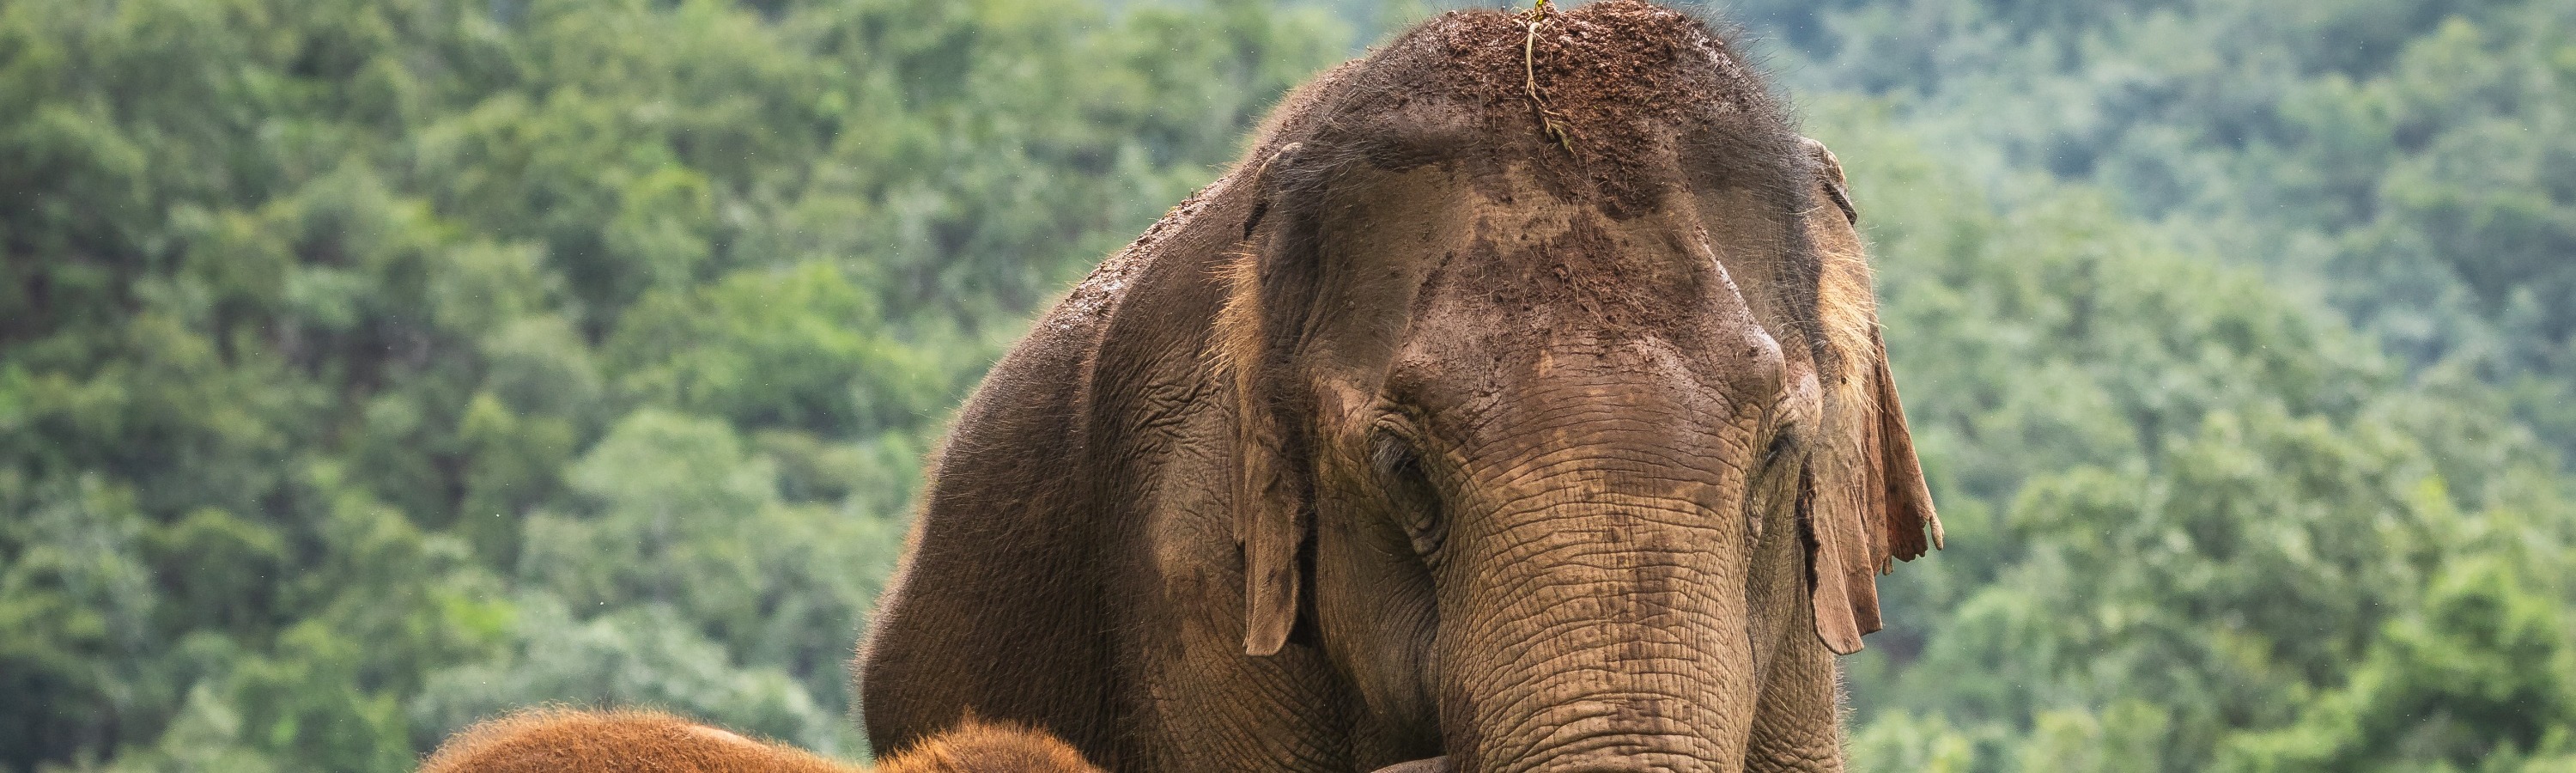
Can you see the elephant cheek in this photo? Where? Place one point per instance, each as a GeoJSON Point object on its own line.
{"type": "Point", "coordinates": [1377, 617]}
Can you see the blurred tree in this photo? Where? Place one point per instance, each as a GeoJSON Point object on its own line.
{"type": "Point", "coordinates": [2408, 160]}
{"type": "Point", "coordinates": [370, 367]}
{"type": "Point", "coordinates": [2184, 507]}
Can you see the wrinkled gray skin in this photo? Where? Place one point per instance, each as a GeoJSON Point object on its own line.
{"type": "Point", "coordinates": [1362, 458]}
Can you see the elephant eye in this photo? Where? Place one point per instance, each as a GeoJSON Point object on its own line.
{"type": "Point", "coordinates": [1774, 482]}
{"type": "Point", "coordinates": [1416, 501]}
{"type": "Point", "coordinates": [1781, 445]}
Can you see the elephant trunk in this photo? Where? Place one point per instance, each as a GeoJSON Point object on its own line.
{"type": "Point", "coordinates": [1610, 630]}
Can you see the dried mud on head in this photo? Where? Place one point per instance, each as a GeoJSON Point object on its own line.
{"type": "Point", "coordinates": [1604, 100]}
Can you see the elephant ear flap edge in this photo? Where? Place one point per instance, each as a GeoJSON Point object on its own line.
{"type": "Point", "coordinates": [1866, 504]}
{"type": "Point", "coordinates": [1270, 524]}
{"type": "Point", "coordinates": [1269, 512]}
{"type": "Point", "coordinates": [1867, 507]}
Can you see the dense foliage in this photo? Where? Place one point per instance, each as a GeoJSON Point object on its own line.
{"type": "Point", "coordinates": [2410, 162]}
{"type": "Point", "coordinates": [371, 366]}
{"type": "Point", "coordinates": [2194, 524]}
{"type": "Point", "coordinates": [2228, 327]}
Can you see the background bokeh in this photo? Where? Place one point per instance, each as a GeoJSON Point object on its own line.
{"type": "Point", "coordinates": [368, 367]}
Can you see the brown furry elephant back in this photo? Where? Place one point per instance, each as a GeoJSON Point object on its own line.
{"type": "Point", "coordinates": [562, 741]}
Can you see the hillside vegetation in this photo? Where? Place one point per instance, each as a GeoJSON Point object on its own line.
{"type": "Point", "coordinates": [368, 367]}
{"type": "Point", "coordinates": [2247, 337]}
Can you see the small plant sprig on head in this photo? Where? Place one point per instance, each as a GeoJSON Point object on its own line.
{"type": "Point", "coordinates": [1535, 18]}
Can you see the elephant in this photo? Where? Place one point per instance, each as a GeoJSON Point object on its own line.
{"type": "Point", "coordinates": [565, 741]}
{"type": "Point", "coordinates": [1515, 403]}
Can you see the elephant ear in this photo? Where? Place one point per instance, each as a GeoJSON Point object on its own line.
{"type": "Point", "coordinates": [1270, 521]}
{"type": "Point", "coordinates": [1867, 505]}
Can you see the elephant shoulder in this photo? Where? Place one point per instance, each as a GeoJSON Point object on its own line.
{"type": "Point", "coordinates": [999, 609]}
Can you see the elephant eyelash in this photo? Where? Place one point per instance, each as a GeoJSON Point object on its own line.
{"type": "Point", "coordinates": [1781, 445]}
{"type": "Point", "coordinates": [1766, 480]}
{"type": "Point", "coordinates": [1416, 500]}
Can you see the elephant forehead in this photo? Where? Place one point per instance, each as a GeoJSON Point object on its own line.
{"type": "Point", "coordinates": [1560, 295]}
{"type": "Point", "coordinates": [1445, 253]}
{"type": "Point", "coordinates": [1508, 236]}
{"type": "Point", "coordinates": [1612, 101]}
{"type": "Point", "coordinates": [1578, 267]}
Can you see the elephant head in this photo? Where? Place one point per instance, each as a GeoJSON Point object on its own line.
{"type": "Point", "coordinates": [1518, 402]}
{"type": "Point", "coordinates": [1564, 430]}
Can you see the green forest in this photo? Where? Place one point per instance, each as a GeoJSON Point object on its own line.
{"type": "Point", "coordinates": [371, 367]}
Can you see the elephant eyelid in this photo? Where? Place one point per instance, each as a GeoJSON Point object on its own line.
{"type": "Point", "coordinates": [1764, 495]}
{"type": "Point", "coordinates": [1781, 444]}
{"type": "Point", "coordinates": [1392, 441]}
{"type": "Point", "coordinates": [1399, 465]}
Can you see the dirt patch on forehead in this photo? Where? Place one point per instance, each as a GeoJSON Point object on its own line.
{"type": "Point", "coordinates": [1654, 114]}
{"type": "Point", "coordinates": [1609, 102]}
{"type": "Point", "coordinates": [1580, 273]}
